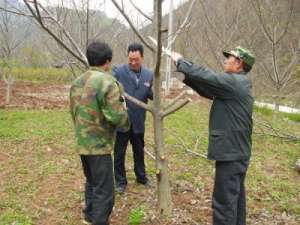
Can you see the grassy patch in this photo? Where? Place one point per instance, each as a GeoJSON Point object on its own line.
{"type": "Point", "coordinates": [263, 110]}
{"type": "Point", "coordinates": [292, 116]}
{"type": "Point", "coordinates": [269, 112]}
{"type": "Point", "coordinates": [11, 217]}
{"type": "Point", "coordinates": [41, 180]}
{"type": "Point", "coordinates": [20, 125]}
{"type": "Point", "coordinates": [41, 75]}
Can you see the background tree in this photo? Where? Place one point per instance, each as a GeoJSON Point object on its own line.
{"type": "Point", "coordinates": [280, 55]}
{"type": "Point", "coordinates": [11, 38]}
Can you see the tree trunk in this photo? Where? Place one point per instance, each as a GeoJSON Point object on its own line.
{"type": "Point", "coordinates": [163, 186]}
{"type": "Point", "coordinates": [9, 82]}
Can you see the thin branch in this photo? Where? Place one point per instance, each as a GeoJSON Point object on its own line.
{"type": "Point", "coordinates": [18, 13]}
{"type": "Point", "coordinates": [182, 143]}
{"type": "Point", "coordinates": [138, 102]}
{"type": "Point", "coordinates": [143, 40]}
{"type": "Point", "coordinates": [271, 131]}
{"type": "Point", "coordinates": [66, 33]}
{"type": "Point", "coordinates": [176, 107]}
{"type": "Point", "coordinates": [140, 11]}
{"type": "Point", "coordinates": [212, 27]}
{"type": "Point", "coordinates": [39, 20]}
{"type": "Point", "coordinates": [274, 61]}
{"type": "Point", "coordinates": [287, 75]}
{"type": "Point", "coordinates": [149, 153]}
{"type": "Point", "coordinates": [175, 100]}
{"type": "Point", "coordinates": [257, 9]}
{"type": "Point", "coordinates": [287, 23]}
{"type": "Point", "coordinates": [184, 23]}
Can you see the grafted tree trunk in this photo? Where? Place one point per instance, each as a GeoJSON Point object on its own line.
{"type": "Point", "coordinates": [163, 186]}
{"type": "Point", "coordinates": [158, 111]}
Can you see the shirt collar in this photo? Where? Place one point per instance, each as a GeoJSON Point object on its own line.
{"type": "Point", "coordinates": [98, 68]}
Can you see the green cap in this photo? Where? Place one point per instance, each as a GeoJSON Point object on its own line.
{"type": "Point", "coordinates": [241, 53]}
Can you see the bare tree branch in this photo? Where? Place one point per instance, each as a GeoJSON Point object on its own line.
{"type": "Point", "coordinates": [36, 14]}
{"type": "Point", "coordinates": [184, 23]}
{"type": "Point", "coordinates": [18, 13]}
{"type": "Point", "coordinates": [173, 133]}
{"type": "Point", "coordinates": [175, 100]}
{"type": "Point", "coordinates": [257, 8]}
{"type": "Point", "coordinates": [176, 107]}
{"type": "Point", "coordinates": [287, 23]}
{"type": "Point", "coordinates": [138, 102]}
{"type": "Point", "coordinates": [140, 11]}
{"type": "Point", "coordinates": [121, 10]}
{"type": "Point", "coordinates": [268, 130]}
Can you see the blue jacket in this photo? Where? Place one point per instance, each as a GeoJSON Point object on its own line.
{"type": "Point", "coordinates": [141, 91]}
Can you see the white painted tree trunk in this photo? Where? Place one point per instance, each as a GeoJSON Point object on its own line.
{"type": "Point", "coordinates": [9, 83]}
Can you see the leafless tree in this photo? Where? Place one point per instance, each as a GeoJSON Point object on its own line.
{"type": "Point", "coordinates": [56, 24]}
{"type": "Point", "coordinates": [10, 40]}
{"type": "Point", "coordinates": [158, 111]}
{"type": "Point", "coordinates": [281, 56]}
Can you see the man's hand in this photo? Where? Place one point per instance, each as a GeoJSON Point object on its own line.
{"type": "Point", "coordinates": [176, 56]}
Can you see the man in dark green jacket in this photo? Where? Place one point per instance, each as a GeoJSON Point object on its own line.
{"type": "Point", "coordinates": [230, 128]}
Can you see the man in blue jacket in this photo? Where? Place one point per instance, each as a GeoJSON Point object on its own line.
{"type": "Point", "coordinates": [137, 82]}
{"type": "Point", "coordinates": [230, 128]}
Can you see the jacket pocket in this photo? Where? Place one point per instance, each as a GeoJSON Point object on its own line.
{"type": "Point", "coordinates": [218, 141]}
{"type": "Point", "coordinates": [218, 144]}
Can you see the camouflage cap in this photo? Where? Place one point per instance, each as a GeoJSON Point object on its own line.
{"type": "Point", "coordinates": [241, 53]}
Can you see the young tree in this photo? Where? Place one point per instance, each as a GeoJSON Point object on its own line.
{"type": "Point", "coordinates": [11, 38]}
{"type": "Point", "coordinates": [54, 24]}
{"type": "Point", "coordinates": [281, 56]}
{"type": "Point", "coordinates": [158, 111]}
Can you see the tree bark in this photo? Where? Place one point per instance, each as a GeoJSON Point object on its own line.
{"type": "Point", "coordinates": [163, 186]}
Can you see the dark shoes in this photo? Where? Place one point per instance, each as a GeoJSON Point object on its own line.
{"type": "Point", "coordinates": [147, 184]}
{"type": "Point", "coordinates": [120, 189]}
{"type": "Point", "coordinates": [86, 222]}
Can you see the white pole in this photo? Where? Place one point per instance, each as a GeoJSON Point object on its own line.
{"type": "Point", "coordinates": [170, 33]}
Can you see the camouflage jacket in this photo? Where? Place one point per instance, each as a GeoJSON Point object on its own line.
{"type": "Point", "coordinates": [97, 108]}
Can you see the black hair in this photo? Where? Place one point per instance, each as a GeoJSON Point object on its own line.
{"type": "Point", "coordinates": [136, 47]}
{"type": "Point", "coordinates": [98, 53]}
{"type": "Point", "coordinates": [246, 67]}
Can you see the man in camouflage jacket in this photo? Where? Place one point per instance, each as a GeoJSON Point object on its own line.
{"type": "Point", "coordinates": [97, 109]}
{"type": "Point", "coordinates": [230, 128]}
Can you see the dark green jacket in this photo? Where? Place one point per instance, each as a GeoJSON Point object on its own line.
{"type": "Point", "coordinates": [230, 123]}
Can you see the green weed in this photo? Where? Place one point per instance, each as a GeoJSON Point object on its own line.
{"type": "Point", "coordinates": [136, 216]}
{"type": "Point", "coordinates": [11, 217]}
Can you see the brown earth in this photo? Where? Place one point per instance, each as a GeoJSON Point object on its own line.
{"type": "Point", "coordinates": [35, 96]}
{"type": "Point", "coordinates": [48, 96]}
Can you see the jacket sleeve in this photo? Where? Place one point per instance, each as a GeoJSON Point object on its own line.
{"type": "Point", "coordinates": [199, 89]}
{"type": "Point", "coordinates": [114, 107]}
{"type": "Point", "coordinates": [115, 72]}
{"type": "Point", "coordinates": [206, 82]}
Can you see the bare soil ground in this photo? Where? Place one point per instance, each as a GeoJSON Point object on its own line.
{"type": "Point", "coordinates": [35, 95]}
{"type": "Point", "coordinates": [47, 96]}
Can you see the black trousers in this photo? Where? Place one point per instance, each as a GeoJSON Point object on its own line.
{"type": "Point", "coordinates": [99, 188]}
{"type": "Point", "coordinates": [229, 197]}
{"type": "Point", "coordinates": [137, 142]}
